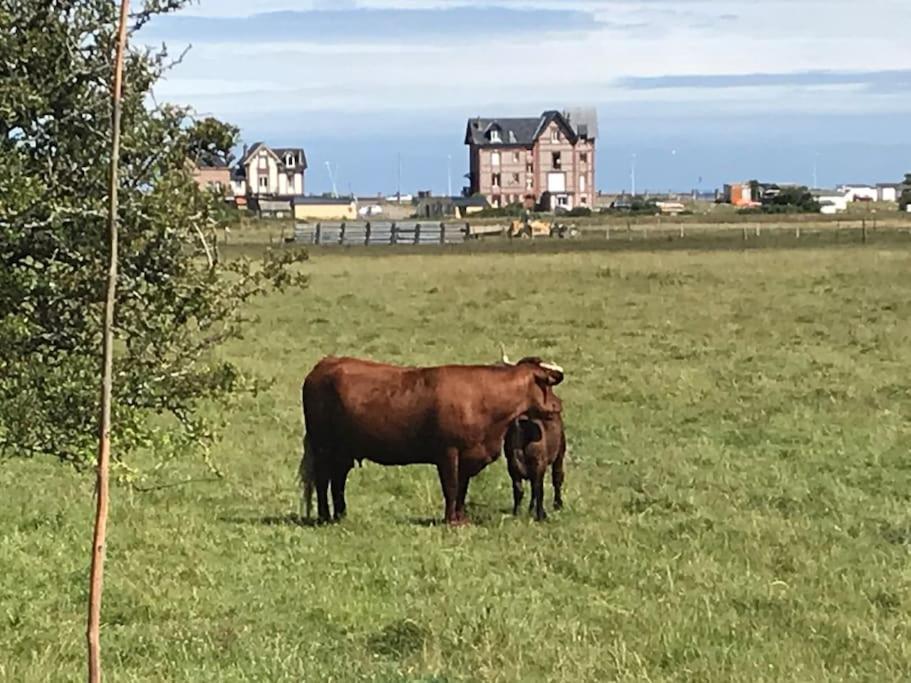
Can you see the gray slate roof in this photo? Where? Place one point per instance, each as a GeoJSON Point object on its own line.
{"type": "Point", "coordinates": [280, 152]}
{"type": "Point", "coordinates": [522, 132]}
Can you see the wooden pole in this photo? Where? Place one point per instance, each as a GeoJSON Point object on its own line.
{"type": "Point", "coordinates": [96, 576]}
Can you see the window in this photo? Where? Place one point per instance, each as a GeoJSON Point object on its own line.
{"type": "Point", "coordinates": [289, 160]}
{"type": "Point", "coordinates": [529, 168]}
{"type": "Point", "coordinates": [495, 159]}
{"type": "Point", "coordinates": [583, 157]}
{"type": "Point", "coordinates": [583, 183]}
{"type": "Point", "coordinates": [557, 160]}
{"type": "Point", "coordinates": [515, 179]}
{"type": "Point", "coordinates": [529, 182]}
{"type": "Point", "coordinates": [516, 158]}
{"type": "Point", "coordinates": [555, 135]}
{"type": "Point", "coordinates": [263, 182]}
{"type": "Point", "coordinates": [495, 135]}
{"type": "Point", "coordinates": [495, 180]}
{"type": "Point", "coordinates": [563, 201]}
{"type": "Point", "coordinates": [584, 200]}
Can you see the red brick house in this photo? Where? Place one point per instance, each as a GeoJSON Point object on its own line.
{"type": "Point", "coordinates": [546, 162]}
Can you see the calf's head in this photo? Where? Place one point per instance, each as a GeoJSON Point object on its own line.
{"type": "Point", "coordinates": [543, 403]}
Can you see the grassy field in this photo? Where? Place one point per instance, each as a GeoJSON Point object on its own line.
{"type": "Point", "coordinates": [738, 493]}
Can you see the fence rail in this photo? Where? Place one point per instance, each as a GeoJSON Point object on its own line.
{"type": "Point", "coordinates": [375, 233]}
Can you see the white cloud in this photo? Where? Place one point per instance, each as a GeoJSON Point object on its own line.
{"type": "Point", "coordinates": [674, 38]}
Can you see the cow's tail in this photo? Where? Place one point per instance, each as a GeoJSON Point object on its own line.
{"type": "Point", "coordinates": [305, 477]}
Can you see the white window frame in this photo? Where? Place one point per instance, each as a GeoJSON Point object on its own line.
{"type": "Point", "coordinates": [494, 158]}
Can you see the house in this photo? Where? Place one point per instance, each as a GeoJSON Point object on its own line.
{"type": "Point", "coordinates": [888, 192]}
{"type": "Point", "coordinates": [831, 201]}
{"type": "Point", "coordinates": [859, 192]}
{"type": "Point", "coordinates": [450, 207]}
{"type": "Point", "coordinates": [740, 194]}
{"type": "Point", "coordinates": [265, 171]}
{"type": "Point", "coordinates": [212, 174]}
{"type": "Point", "coordinates": [324, 208]}
{"type": "Point", "coordinates": [547, 161]}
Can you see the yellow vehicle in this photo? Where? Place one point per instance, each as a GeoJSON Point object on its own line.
{"type": "Point", "coordinates": [530, 228]}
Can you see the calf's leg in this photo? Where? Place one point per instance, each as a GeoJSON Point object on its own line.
{"type": "Point", "coordinates": [517, 492]}
{"type": "Point", "coordinates": [537, 494]}
{"type": "Point", "coordinates": [558, 476]}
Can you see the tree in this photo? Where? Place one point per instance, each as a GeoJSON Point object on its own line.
{"type": "Point", "coordinates": [905, 199]}
{"type": "Point", "coordinates": [213, 141]}
{"type": "Point", "coordinates": [176, 301]}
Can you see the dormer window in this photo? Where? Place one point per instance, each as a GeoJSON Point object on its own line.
{"type": "Point", "coordinates": [495, 135]}
{"type": "Point", "coordinates": [289, 159]}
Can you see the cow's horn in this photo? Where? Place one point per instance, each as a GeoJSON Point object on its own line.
{"type": "Point", "coordinates": [505, 358]}
{"type": "Point", "coordinates": [553, 367]}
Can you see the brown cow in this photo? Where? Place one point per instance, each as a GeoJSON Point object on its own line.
{"type": "Point", "coordinates": [531, 446]}
{"type": "Point", "coordinates": [454, 417]}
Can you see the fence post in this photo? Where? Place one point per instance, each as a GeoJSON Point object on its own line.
{"type": "Point", "coordinates": [341, 234]}
{"type": "Point", "coordinates": [607, 232]}
{"type": "Point", "coordinates": [758, 230]}
{"type": "Point", "coordinates": [629, 232]}
{"type": "Point", "coordinates": [682, 231]}
{"type": "Point", "coordinates": [744, 233]}
{"type": "Point", "coordinates": [417, 233]}
{"type": "Point", "coordinates": [863, 228]}
{"type": "Point", "coordinates": [442, 233]}
{"type": "Point", "coordinates": [367, 230]}
{"type": "Point", "coordinates": [394, 233]}
{"type": "Point", "coordinates": [318, 233]}
{"type": "Point", "coordinates": [797, 231]}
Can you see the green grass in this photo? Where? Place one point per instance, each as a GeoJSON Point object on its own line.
{"type": "Point", "coordinates": [738, 493]}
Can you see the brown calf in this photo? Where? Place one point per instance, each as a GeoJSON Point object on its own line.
{"type": "Point", "coordinates": [531, 446]}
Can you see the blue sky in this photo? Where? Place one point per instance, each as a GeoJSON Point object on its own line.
{"type": "Point", "coordinates": [701, 91]}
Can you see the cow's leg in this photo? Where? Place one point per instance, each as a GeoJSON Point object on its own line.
{"type": "Point", "coordinates": [517, 492]}
{"type": "Point", "coordinates": [339, 478]}
{"type": "Point", "coordinates": [464, 480]}
{"type": "Point", "coordinates": [537, 495]}
{"type": "Point", "coordinates": [448, 469]}
{"type": "Point", "coordinates": [322, 499]}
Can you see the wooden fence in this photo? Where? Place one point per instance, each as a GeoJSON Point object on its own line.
{"type": "Point", "coordinates": [372, 233]}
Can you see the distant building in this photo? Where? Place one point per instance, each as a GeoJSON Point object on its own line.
{"type": "Point", "coordinates": [831, 201]}
{"type": "Point", "coordinates": [450, 207]}
{"type": "Point", "coordinates": [740, 194]}
{"type": "Point", "coordinates": [859, 192]}
{"type": "Point", "coordinates": [212, 174]}
{"type": "Point", "coordinates": [264, 171]}
{"type": "Point", "coordinates": [324, 208]}
{"type": "Point", "coordinates": [546, 161]}
{"type": "Point", "coordinates": [888, 192]}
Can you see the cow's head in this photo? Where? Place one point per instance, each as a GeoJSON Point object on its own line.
{"type": "Point", "coordinates": [544, 403]}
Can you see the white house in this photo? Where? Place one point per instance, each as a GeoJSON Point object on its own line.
{"type": "Point", "coordinates": [888, 192]}
{"type": "Point", "coordinates": [265, 171]}
{"type": "Point", "coordinates": [859, 193]}
{"type": "Point", "coordinates": [831, 201]}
